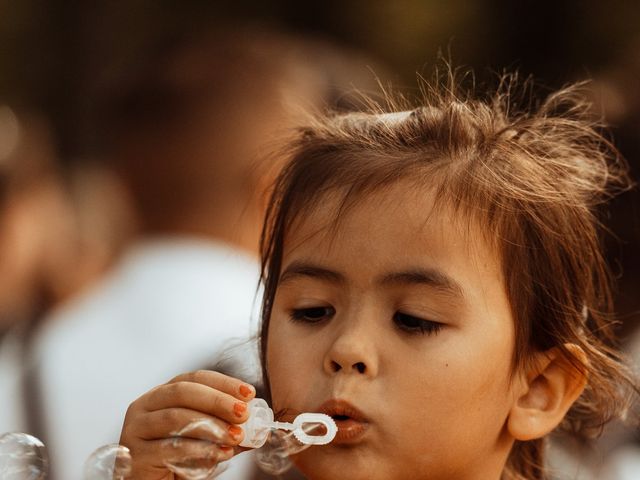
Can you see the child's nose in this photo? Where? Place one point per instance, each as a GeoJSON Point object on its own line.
{"type": "Point", "coordinates": [359, 367]}
{"type": "Point", "coordinates": [351, 354]}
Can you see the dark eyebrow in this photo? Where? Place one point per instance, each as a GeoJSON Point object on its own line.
{"type": "Point", "coordinates": [425, 276]}
{"type": "Point", "coordinates": [303, 269]}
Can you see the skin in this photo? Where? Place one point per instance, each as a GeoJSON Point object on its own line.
{"type": "Point", "coordinates": [153, 420]}
{"type": "Point", "coordinates": [437, 403]}
{"type": "Point", "coordinates": [400, 310]}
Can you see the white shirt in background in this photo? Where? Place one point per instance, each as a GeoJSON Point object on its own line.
{"type": "Point", "coordinates": [171, 306]}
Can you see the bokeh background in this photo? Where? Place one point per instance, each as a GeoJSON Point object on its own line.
{"type": "Point", "coordinates": [53, 54]}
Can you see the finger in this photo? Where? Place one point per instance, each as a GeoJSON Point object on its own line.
{"type": "Point", "coordinates": [195, 396]}
{"type": "Point", "coordinates": [232, 386]}
{"type": "Point", "coordinates": [161, 455]}
{"type": "Point", "coordinates": [181, 422]}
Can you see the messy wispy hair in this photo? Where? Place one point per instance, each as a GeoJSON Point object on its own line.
{"type": "Point", "coordinates": [533, 176]}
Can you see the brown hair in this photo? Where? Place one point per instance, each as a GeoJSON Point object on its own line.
{"type": "Point", "coordinates": [532, 177]}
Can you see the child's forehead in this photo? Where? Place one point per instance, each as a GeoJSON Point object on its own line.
{"type": "Point", "coordinates": [343, 211]}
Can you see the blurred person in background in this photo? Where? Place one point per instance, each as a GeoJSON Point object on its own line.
{"type": "Point", "coordinates": [188, 129]}
{"type": "Point", "coordinates": [48, 253]}
{"type": "Point", "coordinates": [34, 239]}
{"type": "Point", "coordinates": [33, 204]}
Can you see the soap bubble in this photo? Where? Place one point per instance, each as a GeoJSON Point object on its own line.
{"type": "Point", "coordinates": [110, 462]}
{"type": "Point", "coordinates": [273, 456]}
{"type": "Point", "coordinates": [22, 457]}
{"type": "Point", "coordinates": [196, 468]}
{"type": "Point", "coordinates": [206, 464]}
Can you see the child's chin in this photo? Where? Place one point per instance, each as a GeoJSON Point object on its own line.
{"type": "Point", "coordinates": [322, 463]}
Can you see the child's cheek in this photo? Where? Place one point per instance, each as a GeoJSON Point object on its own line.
{"type": "Point", "coordinates": [288, 372]}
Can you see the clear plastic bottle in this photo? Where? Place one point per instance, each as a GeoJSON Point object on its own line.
{"type": "Point", "coordinates": [261, 422]}
{"type": "Point", "coordinates": [274, 441]}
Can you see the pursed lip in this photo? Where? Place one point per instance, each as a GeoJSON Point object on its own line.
{"type": "Point", "coordinates": [351, 422]}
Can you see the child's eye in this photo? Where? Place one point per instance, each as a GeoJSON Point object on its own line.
{"type": "Point", "coordinates": [312, 314]}
{"type": "Point", "coordinates": [411, 324]}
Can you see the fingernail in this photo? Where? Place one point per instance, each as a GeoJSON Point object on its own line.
{"type": "Point", "coordinates": [225, 448]}
{"type": "Point", "coordinates": [239, 408]}
{"type": "Point", "coordinates": [234, 431]}
{"type": "Point", "coordinates": [246, 390]}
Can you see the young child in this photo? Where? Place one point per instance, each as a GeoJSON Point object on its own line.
{"type": "Point", "coordinates": [433, 280]}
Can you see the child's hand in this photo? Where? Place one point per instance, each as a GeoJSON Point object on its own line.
{"type": "Point", "coordinates": [154, 420]}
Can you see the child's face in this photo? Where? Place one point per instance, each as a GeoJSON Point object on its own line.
{"type": "Point", "coordinates": [351, 322]}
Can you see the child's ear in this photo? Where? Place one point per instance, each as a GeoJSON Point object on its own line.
{"type": "Point", "coordinates": [545, 392]}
